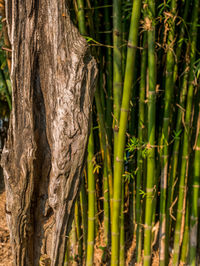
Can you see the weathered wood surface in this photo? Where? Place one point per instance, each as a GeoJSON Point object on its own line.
{"type": "Point", "coordinates": [53, 77]}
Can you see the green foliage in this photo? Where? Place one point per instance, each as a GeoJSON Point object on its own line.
{"type": "Point", "coordinates": [135, 144]}
{"type": "Point", "coordinates": [5, 84]}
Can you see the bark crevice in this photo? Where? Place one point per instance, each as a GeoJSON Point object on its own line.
{"type": "Point", "coordinates": [53, 78]}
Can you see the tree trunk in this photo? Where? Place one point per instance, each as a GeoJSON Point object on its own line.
{"type": "Point", "coordinates": [53, 77]}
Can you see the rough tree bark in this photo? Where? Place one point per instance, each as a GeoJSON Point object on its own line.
{"type": "Point", "coordinates": [53, 77]}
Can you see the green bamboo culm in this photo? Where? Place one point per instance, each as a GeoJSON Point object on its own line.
{"type": "Point", "coordinates": [81, 17]}
{"type": "Point", "coordinates": [150, 189]}
{"type": "Point", "coordinates": [122, 235]}
{"type": "Point", "coordinates": [194, 200]}
{"type": "Point", "coordinates": [169, 91]}
{"type": "Point", "coordinates": [6, 90]}
{"type": "Point", "coordinates": [181, 37]}
{"type": "Point", "coordinates": [109, 102]}
{"type": "Point", "coordinates": [108, 73]}
{"type": "Point", "coordinates": [106, 204]}
{"type": "Point", "coordinates": [175, 156]}
{"type": "Point", "coordinates": [176, 144]}
{"type": "Point", "coordinates": [106, 151]}
{"type": "Point", "coordinates": [117, 67]}
{"type": "Point", "coordinates": [83, 204]}
{"type": "Point", "coordinates": [185, 243]}
{"type": "Point", "coordinates": [185, 152]}
{"type": "Point", "coordinates": [91, 202]}
{"type": "Point", "coordinates": [78, 230]}
{"type": "Point", "coordinates": [107, 168]}
{"type": "Point", "coordinates": [140, 161]}
{"type": "Point", "coordinates": [130, 66]}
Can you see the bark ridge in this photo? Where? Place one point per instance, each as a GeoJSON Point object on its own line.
{"type": "Point", "coordinates": [53, 78]}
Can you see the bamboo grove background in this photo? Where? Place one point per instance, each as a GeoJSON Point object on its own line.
{"type": "Point", "coordinates": [139, 199]}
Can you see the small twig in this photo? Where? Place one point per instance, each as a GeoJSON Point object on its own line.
{"type": "Point", "coordinates": [6, 49]}
{"type": "Point", "coordinates": [171, 209]}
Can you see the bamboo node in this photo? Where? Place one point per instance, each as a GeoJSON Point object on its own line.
{"type": "Point", "coordinates": [124, 110]}
{"type": "Point", "coordinates": [116, 200]}
{"type": "Point", "coordinates": [147, 24]}
{"type": "Point", "coordinates": [196, 186]}
{"type": "Point", "coordinates": [116, 32]}
{"type": "Point", "coordinates": [183, 187]}
{"type": "Point", "coordinates": [180, 211]}
{"type": "Point", "coordinates": [119, 160]}
{"type": "Point", "coordinates": [115, 234]}
{"type": "Point", "coordinates": [193, 218]}
{"type": "Point", "coordinates": [91, 242]}
{"type": "Point", "coordinates": [148, 227]}
{"type": "Point", "coordinates": [130, 45]}
{"type": "Point", "coordinates": [116, 128]}
{"type": "Point", "coordinates": [91, 218]}
{"type": "Point", "coordinates": [149, 190]}
{"type": "Point", "coordinates": [91, 191]}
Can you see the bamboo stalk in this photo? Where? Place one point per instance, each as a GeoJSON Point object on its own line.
{"type": "Point", "coordinates": [6, 90]}
{"type": "Point", "coordinates": [194, 200]}
{"type": "Point", "coordinates": [151, 134]}
{"type": "Point", "coordinates": [83, 204]}
{"type": "Point", "coordinates": [181, 37]}
{"type": "Point", "coordinates": [181, 108]}
{"type": "Point", "coordinates": [91, 202]}
{"type": "Point", "coordinates": [175, 153]}
{"type": "Point", "coordinates": [81, 17]}
{"type": "Point", "coordinates": [122, 236]}
{"type": "Point", "coordinates": [5, 34]}
{"type": "Point", "coordinates": [67, 257]}
{"type": "Point", "coordinates": [117, 68]}
{"type": "Point", "coordinates": [184, 163]}
{"type": "Point", "coordinates": [106, 204]}
{"type": "Point", "coordinates": [102, 124]}
{"type": "Point", "coordinates": [140, 162]}
{"type": "Point", "coordinates": [78, 231]}
{"type": "Point", "coordinates": [185, 244]}
{"type": "Point", "coordinates": [169, 91]}
{"type": "Point", "coordinates": [108, 73]}
{"type": "Point", "coordinates": [130, 65]}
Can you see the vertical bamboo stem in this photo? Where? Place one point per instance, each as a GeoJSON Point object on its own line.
{"type": "Point", "coordinates": [185, 244]}
{"type": "Point", "coordinates": [78, 230]}
{"type": "Point", "coordinates": [150, 190]}
{"type": "Point", "coordinates": [194, 200]}
{"type": "Point", "coordinates": [122, 236]}
{"type": "Point", "coordinates": [117, 67]}
{"type": "Point", "coordinates": [140, 162]}
{"type": "Point", "coordinates": [106, 204]}
{"type": "Point", "coordinates": [91, 202]}
{"type": "Point", "coordinates": [169, 91]}
{"type": "Point", "coordinates": [81, 17]}
{"type": "Point", "coordinates": [131, 52]}
{"type": "Point", "coordinates": [183, 172]}
{"type": "Point", "coordinates": [83, 204]}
